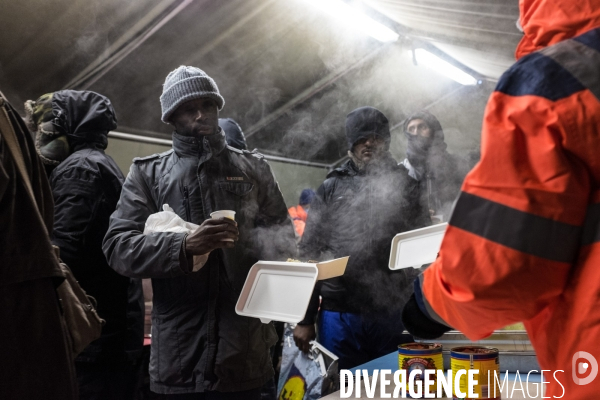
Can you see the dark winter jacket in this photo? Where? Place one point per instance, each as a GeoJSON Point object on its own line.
{"type": "Point", "coordinates": [439, 173]}
{"type": "Point", "coordinates": [357, 213]}
{"type": "Point", "coordinates": [199, 343]}
{"type": "Point", "coordinates": [86, 187]}
{"type": "Point", "coordinates": [25, 249]}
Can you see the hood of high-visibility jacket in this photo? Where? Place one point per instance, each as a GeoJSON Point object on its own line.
{"type": "Point", "coordinates": [547, 22]}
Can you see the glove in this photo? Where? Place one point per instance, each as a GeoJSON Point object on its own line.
{"type": "Point", "coordinates": [419, 324]}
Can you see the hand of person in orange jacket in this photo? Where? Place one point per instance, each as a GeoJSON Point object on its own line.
{"type": "Point", "coordinates": [419, 324]}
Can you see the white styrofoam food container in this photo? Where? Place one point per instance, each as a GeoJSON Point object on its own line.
{"type": "Point", "coordinates": [280, 291]}
{"type": "Point", "coordinates": [417, 247]}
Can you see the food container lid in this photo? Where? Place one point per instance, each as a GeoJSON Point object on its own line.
{"type": "Point", "coordinates": [474, 352]}
{"type": "Point", "coordinates": [415, 349]}
{"type": "Point", "coordinates": [417, 247]}
{"type": "Point", "coordinates": [281, 291]}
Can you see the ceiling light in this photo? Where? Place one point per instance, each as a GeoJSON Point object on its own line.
{"type": "Point", "coordinates": [431, 61]}
{"type": "Point", "coordinates": [353, 17]}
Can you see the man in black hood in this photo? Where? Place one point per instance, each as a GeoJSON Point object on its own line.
{"type": "Point", "coordinates": [439, 173]}
{"type": "Point", "coordinates": [71, 132]}
{"type": "Point", "coordinates": [359, 208]}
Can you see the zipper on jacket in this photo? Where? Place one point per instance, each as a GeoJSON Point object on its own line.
{"type": "Point", "coordinates": [186, 202]}
{"type": "Point", "coordinates": [430, 205]}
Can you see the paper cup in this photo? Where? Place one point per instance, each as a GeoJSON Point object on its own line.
{"type": "Point", "coordinates": [223, 214]}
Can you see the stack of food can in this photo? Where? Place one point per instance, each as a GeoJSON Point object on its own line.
{"type": "Point", "coordinates": [412, 356]}
{"type": "Point", "coordinates": [484, 359]}
{"type": "Point", "coordinates": [424, 356]}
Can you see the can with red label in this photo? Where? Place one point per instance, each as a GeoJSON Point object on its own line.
{"type": "Point", "coordinates": [412, 356]}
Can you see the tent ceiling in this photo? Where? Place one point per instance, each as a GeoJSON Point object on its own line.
{"type": "Point", "coordinates": [289, 74]}
{"type": "Point", "coordinates": [481, 34]}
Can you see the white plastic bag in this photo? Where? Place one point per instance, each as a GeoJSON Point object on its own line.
{"type": "Point", "coordinates": [168, 221]}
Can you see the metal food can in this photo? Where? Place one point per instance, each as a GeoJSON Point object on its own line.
{"type": "Point", "coordinates": [484, 359]}
{"type": "Point", "coordinates": [412, 356]}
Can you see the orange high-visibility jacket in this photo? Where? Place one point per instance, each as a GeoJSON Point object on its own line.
{"type": "Point", "coordinates": [523, 243]}
{"type": "Point", "coordinates": [299, 216]}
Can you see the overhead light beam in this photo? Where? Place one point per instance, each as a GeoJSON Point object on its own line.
{"type": "Point", "coordinates": [443, 67]}
{"type": "Point", "coordinates": [355, 18]}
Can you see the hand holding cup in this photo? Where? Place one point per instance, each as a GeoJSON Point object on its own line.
{"type": "Point", "coordinates": [215, 233]}
{"type": "Point", "coordinates": [224, 214]}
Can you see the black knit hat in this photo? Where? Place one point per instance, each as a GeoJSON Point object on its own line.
{"type": "Point", "coordinates": [364, 122]}
{"type": "Point", "coordinates": [233, 133]}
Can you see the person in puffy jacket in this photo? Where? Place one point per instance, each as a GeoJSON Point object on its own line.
{"type": "Point", "coordinates": [201, 347]}
{"type": "Point", "coordinates": [357, 212]}
{"type": "Point", "coordinates": [71, 129]}
{"type": "Point", "coordinates": [523, 242]}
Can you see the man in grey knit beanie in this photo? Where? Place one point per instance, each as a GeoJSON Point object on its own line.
{"type": "Point", "coordinates": [185, 84]}
{"type": "Point", "coordinates": [201, 348]}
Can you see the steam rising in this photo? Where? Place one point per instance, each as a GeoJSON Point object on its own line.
{"type": "Point", "coordinates": [361, 217]}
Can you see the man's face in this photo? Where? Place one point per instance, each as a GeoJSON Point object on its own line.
{"type": "Point", "coordinates": [369, 148]}
{"type": "Point", "coordinates": [198, 117]}
{"type": "Point", "coordinates": [419, 127]}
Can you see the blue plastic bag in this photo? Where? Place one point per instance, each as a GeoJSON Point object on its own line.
{"type": "Point", "coordinates": [306, 376]}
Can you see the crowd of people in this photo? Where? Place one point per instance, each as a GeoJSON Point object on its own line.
{"type": "Point", "coordinates": [538, 170]}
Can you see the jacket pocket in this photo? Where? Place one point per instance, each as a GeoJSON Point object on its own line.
{"type": "Point", "coordinates": [237, 188]}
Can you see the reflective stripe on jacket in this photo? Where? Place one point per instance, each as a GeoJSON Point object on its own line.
{"type": "Point", "coordinates": [523, 243]}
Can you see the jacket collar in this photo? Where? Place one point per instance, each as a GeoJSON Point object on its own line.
{"type": "Point", "coordinates": [347, 168]}
{"type": "Point", "coordinates": [351, 169]}
{"type": "Point", "coordinates": [187, 146]}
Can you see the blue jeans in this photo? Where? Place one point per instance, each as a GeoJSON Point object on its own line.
{"type": "Point", "coordinates": [357, 339]}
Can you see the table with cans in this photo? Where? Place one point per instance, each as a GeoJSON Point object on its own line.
{"type": "Point", "coordinates": [429, 356]}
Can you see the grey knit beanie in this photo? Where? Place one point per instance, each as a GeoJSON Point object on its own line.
{"type": "Point", "coordinates": [184, 84]}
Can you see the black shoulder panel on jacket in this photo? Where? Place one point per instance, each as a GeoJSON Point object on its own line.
{"type": "Point", "coordinates": [234, 149]}
{"type": "Point", "coordinates": [254, 153]}
{"type": "Point", "coordinates": [342, 170]}
{"type": "Point", "coordinates": [152, 157]}
{"type": "Point", "coordinates": [538, 75]}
